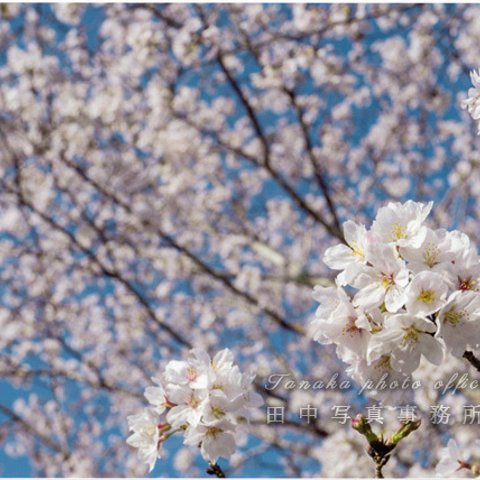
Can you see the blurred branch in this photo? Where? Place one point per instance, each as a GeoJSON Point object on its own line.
{"type": "Point", "coordinates": [319, 175]}
{"type": "Point", "coordinates": [267, 165]}
{"type": "Point", "coordinates": [30, 429]}
{"type": "Point", "coordinates": [220, 277]}
{"type": "Point", "coordinates": [103, 268]}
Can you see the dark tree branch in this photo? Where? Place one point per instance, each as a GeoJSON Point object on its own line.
{"type": "Point", "coordinates": [319, 175]}
{"type": "Point", "coordinates": [470, 357]}
{"type": "Point", "coordinates": [220, 277]}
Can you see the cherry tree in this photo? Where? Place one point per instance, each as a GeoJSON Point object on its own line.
{"type": "Point", "coordinates": [177, 179]}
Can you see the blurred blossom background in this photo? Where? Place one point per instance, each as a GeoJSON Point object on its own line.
{"type": "Point", "coordinates": [171, 175]}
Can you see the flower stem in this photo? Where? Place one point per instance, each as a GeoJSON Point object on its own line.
{"type": "Point", "coordinates": [380, 462]}
{"type": "Point", "coordinates": [214, 469]}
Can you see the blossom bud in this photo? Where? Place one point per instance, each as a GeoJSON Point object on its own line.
{"type": "Point", "coordinates": [406, 429]}
{"type": "Point", "coordinates": [361, 425]}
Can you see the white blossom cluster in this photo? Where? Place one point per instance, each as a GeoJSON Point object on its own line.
{"type": "Point", "coordinates": [404, 291]}
{"type": "Point", "coordinates": [206, 399]}
{"type": "Point", "coordinates": [472, 102]}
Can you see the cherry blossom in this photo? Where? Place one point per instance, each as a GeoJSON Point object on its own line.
{"type": "Point", "coordinates": [414, 295]}
{"type": "Point", "coordinates": [402, 224]}
{"type": "Point", "coordinates": [436, 252]}
{"type": "Point", "coordinates": [426, 293]}
{"type": "Point", "coordinates": [216, 439]}
{"type": "Point", "coordinates": [145, 436]}
{"type": "Point", "coordinates": [452, 461]}
{"type": "Point", "coordinates": [405, 338]}
{"type": "Point", "coordinates": [383, 280]}
{"type": "Point", "coordinates": [205, 398]}
{"type": "Point", "coordinates": [458, 322]}
{"type": "Point", "coordinates": [472, 103]}
{"type": "Point", "coordinates": [348, 258]}
{"type": "Point", "coordinates": [172, 175]}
